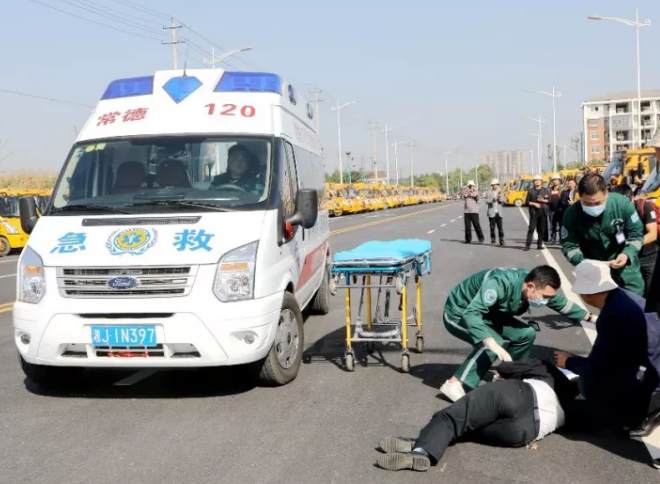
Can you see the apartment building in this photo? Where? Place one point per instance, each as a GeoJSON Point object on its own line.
{"type": "Point", "coordinates": [505, 163]}
{"type": "Point", "coordinates": [611, 123]}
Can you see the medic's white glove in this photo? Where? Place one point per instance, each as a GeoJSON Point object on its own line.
{"type": "Point", "coordinates": [492, 345]}
{"type": "Point", "coordinates": [591, 318]}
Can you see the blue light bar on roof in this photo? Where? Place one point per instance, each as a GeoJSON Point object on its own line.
{"type": "Point", "coordinates": [135, 86]}
{"type": "Point", "coordinates": [249, 82]}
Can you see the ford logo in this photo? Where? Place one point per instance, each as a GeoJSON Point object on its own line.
{"type": "Point", "coordinates": [122, 283]}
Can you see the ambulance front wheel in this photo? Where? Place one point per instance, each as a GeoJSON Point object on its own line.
{"type": "Point", "coordinates": [283, 361]}
{"type": "Point", "coordinates": [518, 203]}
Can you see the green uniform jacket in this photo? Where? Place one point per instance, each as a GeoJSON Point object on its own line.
{"type": "Point", "coordinates": [586, 237]}
{"type": "Point", "coordinates": [490, 291]}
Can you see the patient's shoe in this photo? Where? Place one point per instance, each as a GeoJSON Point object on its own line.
{"type": "Point", "coordinates": [395, 444]}
{"type": "Point", "coordinates": [414, 461]}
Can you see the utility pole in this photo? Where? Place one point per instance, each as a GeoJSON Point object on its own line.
{"type": "Point", "coordinates": [412, 172]}
{"type": "Point", "coordinates": [374, 150]}
{"type": "Point", "coordinates": [316, 93]}
{"type": "Point", "coordinates": [175, 30]}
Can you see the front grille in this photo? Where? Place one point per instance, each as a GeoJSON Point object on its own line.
{"type": "Point", "coordinates": [92, 282]}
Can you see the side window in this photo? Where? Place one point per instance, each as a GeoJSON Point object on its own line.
{"type": "Point", "coordinates": [289, 186]}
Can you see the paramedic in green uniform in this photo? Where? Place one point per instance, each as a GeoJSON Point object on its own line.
{"type": "Point", "coordinates": [481, 311]}
{"type": "Point", "coordinates": [605, 226]}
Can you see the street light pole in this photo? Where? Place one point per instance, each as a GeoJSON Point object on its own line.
{"type": "Point", "coordinates": [216, 60]}
{"type": "Point", "coordinates": [638, 25]}
{"type": "Point", "coordinates": [396, 159]}
{"type": "Point", "coordinates": [386, 130]}
{"type": "Point", "coordinates": [338, 108]}
{"type": "Point", "coordinates": [538, 151]}
{"type": "Point", "coordinates": [540, 121]}
{"type": "Point", "coordinates": [447, 169]}
{"type": "Point", "coordinates": [554, 95]}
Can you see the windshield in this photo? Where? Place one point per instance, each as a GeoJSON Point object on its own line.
{"type": "Point", "coordinates": [9, 206]}
{"type": "Point", "coordinates": [526, 185]}
{"type": "Point", "coordinates": [652, 182]}
{"type": "Point", "coordinates": [129, 174]}
{"type": "Point", "coordinates": [615, 168]}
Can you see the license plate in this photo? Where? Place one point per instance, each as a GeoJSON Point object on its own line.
{"type": "Point", "coordinates": [127, 336]}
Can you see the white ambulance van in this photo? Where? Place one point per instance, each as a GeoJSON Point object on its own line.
{"type": "Point", "coordinates": [184, 231]}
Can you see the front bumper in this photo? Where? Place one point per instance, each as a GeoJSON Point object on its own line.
{"type": "Point", "coordinates": [191, 332]}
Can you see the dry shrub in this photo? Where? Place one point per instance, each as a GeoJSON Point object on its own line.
{"type": "Point", "coordinates": [28, 179]}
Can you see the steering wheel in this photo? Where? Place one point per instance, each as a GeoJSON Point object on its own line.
{"type": "Point", "coordinates": [230, 187]}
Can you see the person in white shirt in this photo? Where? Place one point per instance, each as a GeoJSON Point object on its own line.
{"type": "Point", "coordinates": [525, 407]}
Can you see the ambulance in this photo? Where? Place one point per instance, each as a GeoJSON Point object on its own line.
{"type": "Point", "coordinates": [184, 231]}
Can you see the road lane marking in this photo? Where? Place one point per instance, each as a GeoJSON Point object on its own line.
{"type": "Point", "coordinates": [136, 377]}
{"type": "Point", "coordinates": [453, 220]}
{"type": "Point", "coordinates": [8, 275]}
{"type": "Point", "coordinates": [460, 216]}
{"type": "Point", "coordinates": [378, 222]}
{"type": "Point", "coordinates": [443, 225]}
{"type": "Point", "coordinates": [652, 442]}
{"type": "Point", "coordinates": [7, 304]}
{"type": "Point", "coordinates": [431, 231]}
{"type": "Point", "coordinates": [5, 310]}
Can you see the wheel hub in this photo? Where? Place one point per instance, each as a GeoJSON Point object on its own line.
{"type": "Point", "coordinates": [287, 339]}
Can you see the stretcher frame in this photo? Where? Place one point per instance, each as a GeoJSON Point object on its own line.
{"type": "Point", "coordinates": [357, 275]}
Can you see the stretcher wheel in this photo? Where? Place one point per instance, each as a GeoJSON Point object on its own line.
{"type": "Point", "coordinates": [350, 362]}
{"type": "Point", "coordinates": [405, 363]}
{"type": "Point", "coordinates": [371, 347]}
{"type": "Point", "coordinates": [419, 344]}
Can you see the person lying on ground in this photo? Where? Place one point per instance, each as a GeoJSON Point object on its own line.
{"type": "Point", "coordinates": [525, 407]}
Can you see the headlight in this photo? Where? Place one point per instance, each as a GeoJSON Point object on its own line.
{"type": "Point", "coordinates": [9, 228]}
{"type": "Point", "coordinates": [234, 280]}
{"type": "Point", "coordinates": [32, 284]}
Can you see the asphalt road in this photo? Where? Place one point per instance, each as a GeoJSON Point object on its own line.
{"type": "Point", "coordinates": [182, 427]}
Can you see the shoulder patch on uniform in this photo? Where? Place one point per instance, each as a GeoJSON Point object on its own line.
{"type": "Point", "coordinates": [490, 296]}
{"type": "Point", "coordinates": [564, 233]}
{"type": "Point", "coordinates": [653, 215]}
{"type": "Point", "coordinates": [634, 218]}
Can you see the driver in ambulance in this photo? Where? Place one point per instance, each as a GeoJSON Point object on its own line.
{"type": "Point", "coordinates": [242, 171]}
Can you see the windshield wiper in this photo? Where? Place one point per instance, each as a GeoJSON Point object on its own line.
{"type": "Point", "coordinates": [90, 207]}
{"type": "Point", "coordinates": [185, 203]}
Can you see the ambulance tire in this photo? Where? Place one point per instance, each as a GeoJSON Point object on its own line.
{"type": "Point", "coordinates": [272, 372]}
{"type": "Point", "coordinates": [518, 203]}
{"type": "Point", "coordinates": [321, 303]}
{"type": "Point", "coordinates": [50, 377]}
{"type": "Point", "coordinates": [5, 248]}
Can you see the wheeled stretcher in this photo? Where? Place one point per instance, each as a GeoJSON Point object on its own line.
{"type": "Point", "coordinates": [385, 266]}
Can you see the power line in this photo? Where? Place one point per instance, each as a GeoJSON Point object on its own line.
{"type": "Point", "coordinates": [119, 12]}
{"type": "Point", "coordinates": [112, 17]}
{"type": "Point", "coordinates": [43, 98]}
{"type": "Point", "coordinates": [142, 9]}
{"type": "Point", "coordinates": [95, 22]}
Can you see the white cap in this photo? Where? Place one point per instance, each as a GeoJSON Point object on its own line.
{"type": "Point", "coordinates": [494, 181]}
{"type": "Point", "coordinates": [538, 177]}
{"type": "Point", "coordinates": [592, 277]}
{"type": "Point", "coordinates": [556, 177]}
{"type": "Point", "coordinates": [471, 183]}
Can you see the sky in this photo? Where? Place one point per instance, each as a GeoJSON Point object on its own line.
{"type": "Point", "coordinates": [452, 75]}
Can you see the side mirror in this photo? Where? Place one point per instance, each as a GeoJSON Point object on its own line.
{"type": "Point", "coordinates": [27, 208]}
{"type": "Point", "coordinates": [307, 209]}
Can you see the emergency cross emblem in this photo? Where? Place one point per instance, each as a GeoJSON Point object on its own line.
{"type": "Point", "coordinates": [131, 241]}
